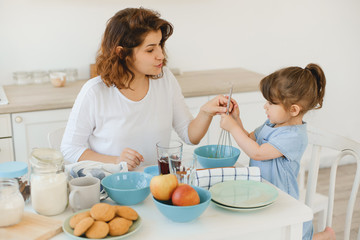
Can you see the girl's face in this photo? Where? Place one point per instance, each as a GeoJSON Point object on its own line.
{"type": "Point", "coordinates": [277, 114]}
{"type": "Point", "coordinates": [148, 57]}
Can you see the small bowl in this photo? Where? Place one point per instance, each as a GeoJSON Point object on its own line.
{"type": "Point", "coordinates": [185, 213]}
{"type": "Point", "coordinates": [152, 170]}
{"type": "Point", "coordinates": [206, 156]}
{"type": "Point", "coordinates": [127, 188]}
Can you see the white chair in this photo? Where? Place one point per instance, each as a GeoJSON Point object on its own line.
{"type": "Point", "coordinates": [55, 137]}
{"type": "Point", "coordinates": [319, 140]}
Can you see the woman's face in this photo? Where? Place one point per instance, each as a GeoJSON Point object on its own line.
{"type": "Point", "coordinates": [148, 57]}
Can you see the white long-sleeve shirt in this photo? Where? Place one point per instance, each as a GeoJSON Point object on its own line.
{"type": "Point", "coordinates": [105, 121]}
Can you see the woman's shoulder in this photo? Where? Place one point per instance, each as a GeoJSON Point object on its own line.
{"type": "Point", "coordinates": [94, 84]}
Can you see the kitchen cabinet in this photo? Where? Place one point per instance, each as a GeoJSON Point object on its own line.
{"type": "Point", "coordinates": [30, 129]}
{"type": "Point", "coordinates": [6, 145]}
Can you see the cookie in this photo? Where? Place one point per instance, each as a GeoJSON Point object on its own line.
{"type": "Point", "coordinates": [83, 226]}
{"type": "Point", "coordinates": [102, 212]}
{"type": "Point", "coordinates": [77, 218]}
{"type": "Point", "coordinates": [119, 226]}
{"type": "Point", "coordinates": [99, 229]}
{"type": "Point", "coordinates": [126, 212]}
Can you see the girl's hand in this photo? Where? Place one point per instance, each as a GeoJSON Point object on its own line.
{"type": "Point", "coordinates": [216, 105]}
{"type": "Point", "coordinates": [131, 157]}
{"type": "Point", "coordinates": [235, 113]}
{"type": "Point", "coordinates": [227, 122]}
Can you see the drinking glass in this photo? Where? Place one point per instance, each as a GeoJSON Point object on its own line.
{"type": "Point", "coordinates": [168, 150]}
{"type": "Point", "coordinates": [184, 168]}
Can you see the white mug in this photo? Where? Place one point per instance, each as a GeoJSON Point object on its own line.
{"type": "Point", "coordinates": [84, 192]}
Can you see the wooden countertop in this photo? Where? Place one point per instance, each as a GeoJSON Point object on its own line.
{"type": "Point", "coordinates": [36, 97]}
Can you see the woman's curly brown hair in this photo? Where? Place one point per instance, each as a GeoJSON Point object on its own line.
{"type": "Point", "coordinates": [128, 29]}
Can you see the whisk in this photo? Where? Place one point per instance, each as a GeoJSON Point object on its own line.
{"type": "Point", "coordinates": [224, 144]}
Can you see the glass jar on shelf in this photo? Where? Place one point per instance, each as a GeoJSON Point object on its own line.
{"type": "Point", "coordinates": [71, 74]}
{"type": "Point", "coordinates": [22, 78]}
{"type": "Point", "coordinates": [11, 202]}
{"type": "Point", "coordinates": [40, 76]}
{"type": "Point", "coordinates": [19, 172]}
{"type": "Point", "coordinates": [48, 182]}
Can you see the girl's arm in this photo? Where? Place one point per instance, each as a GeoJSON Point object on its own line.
{"type": "Point", "coordinates": [245, 140]}
{"type": "Point", "coordinates": [252, 148]}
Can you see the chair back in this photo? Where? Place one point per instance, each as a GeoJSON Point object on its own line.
{"type": "Point", "coordinates": [320, 139]}
{"type": "Point", "coordinates": [55, 137]}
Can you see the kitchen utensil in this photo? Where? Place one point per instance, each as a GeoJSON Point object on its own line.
{"type": "Point", "coordinates": [185, 213]}
{"type": "Point", "coordinates": [32, 226]}
{"type": "Point", "coordinates": [127, 188]}
{"type": "Point", "coordinates": [224, 143]}
{"type": "Point", "coordinates": [205, 155]}
{"type": "Point", "coordinates": [84, 192]}
{"type": "Point", "coordinates": [152, 170]}
{"type": "Point", "coordinates": [70, 232]}
{"type": "Point", "coordinates": [48, 181]}
{"type": "Point", "coordinates": [183, 168]}
{"type": "Point", "coordinates": [243, 193]}
{"type": "Point", "coordinates": [168, 150]}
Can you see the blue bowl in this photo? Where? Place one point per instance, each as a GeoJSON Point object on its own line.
{"type": "Point", "coordinates": [127, 188]}
{"type": "Point", "coordinates": [206, 156]}
{"type": "Point", "coordinates": [185, 213]}
{"type": "Point", "coordinates": [152, 170]}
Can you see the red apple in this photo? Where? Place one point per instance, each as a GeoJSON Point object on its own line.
{"type": "Point", "coordinates": [185, 195]}
{"type": "Point", "coordinates": [163, 186]}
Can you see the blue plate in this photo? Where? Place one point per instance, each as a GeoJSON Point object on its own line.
{"type": "Point", "coordinates": [152, 170]}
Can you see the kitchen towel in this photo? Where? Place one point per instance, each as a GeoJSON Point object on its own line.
{"type": "Point", "coordinates": [94, 169]}
{"type": "Point", "coordinates": [206, 178]}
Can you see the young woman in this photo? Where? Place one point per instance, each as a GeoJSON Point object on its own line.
{"type": "Point", "coordinates": [135, 101]}
{"type": "Point", "coordinates": [277, 146]}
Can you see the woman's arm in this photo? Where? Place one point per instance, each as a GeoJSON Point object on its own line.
{"type": "Point", "coordinates": [199, 126]}
{"type": "Point", "coordinates": [131, 157]}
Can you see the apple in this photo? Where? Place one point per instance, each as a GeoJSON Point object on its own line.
{"type": "Point", "coordinates": [185, 195]}
{"type": "Point", "coordinates": [163, 186]}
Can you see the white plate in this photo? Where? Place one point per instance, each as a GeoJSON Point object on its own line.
{"type": "Point", "coordinates": [243, 193]}
{"type": "Point", "coordinates": [70, 232]}
{"type": "Point", "coordinates": [241, 209]}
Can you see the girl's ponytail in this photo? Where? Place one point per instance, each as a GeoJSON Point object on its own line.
{"type": "Point", "coordinates": [320, 79]}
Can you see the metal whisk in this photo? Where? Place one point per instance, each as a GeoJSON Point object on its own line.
{"type": "Point", "coordinates": [224, 144]}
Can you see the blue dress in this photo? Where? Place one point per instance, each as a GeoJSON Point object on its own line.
{"type": "Point", "coordinates": [291, 141]}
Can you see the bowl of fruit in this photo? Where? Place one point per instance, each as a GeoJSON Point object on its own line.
{"type": "Point", "coordinates": [178, 202]}
{"type": "Point", "coordinates": [210, 156]}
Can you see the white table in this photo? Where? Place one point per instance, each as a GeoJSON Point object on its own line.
{"type": "Point", "coordinates": [281, 220]}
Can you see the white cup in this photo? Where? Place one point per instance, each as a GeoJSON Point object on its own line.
{"type": "Point", "coordinates": [84, 192]}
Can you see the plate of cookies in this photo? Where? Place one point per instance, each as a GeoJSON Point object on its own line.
{"type": "Point", "coordinates": [102, 221]}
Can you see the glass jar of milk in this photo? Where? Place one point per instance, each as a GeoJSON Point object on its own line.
{"type": "Point", "coordinates": [11, 202]}
{"type": "Point", "coordinates": [48, 182]}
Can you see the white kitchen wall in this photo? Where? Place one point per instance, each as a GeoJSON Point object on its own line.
{"type": "Point", "coordinates": [258, 35]}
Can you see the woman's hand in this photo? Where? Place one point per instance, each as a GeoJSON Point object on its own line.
{"type": "Point", "coordinates": [215, 106]}
{"type": "Point", "coordinates": [131, 157]}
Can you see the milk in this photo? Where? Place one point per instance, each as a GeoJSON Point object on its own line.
{"type": "Point", "coordinates": [49, 195]}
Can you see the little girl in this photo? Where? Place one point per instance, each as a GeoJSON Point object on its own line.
{"type": "Point", "coordinates": [277, 146]}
